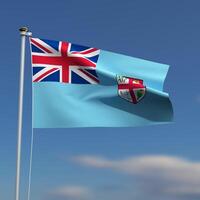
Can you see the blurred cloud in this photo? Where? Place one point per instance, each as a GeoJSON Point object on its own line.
{"type": "Point", "coordinates": [198, 98]}
{"type": "Point", "coordinates": [157, 176]}
{"type": "Point", "coordinates": [70, 192]}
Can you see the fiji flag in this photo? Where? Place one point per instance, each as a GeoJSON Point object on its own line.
{"type": "Point", "coordinates": [79, 86]}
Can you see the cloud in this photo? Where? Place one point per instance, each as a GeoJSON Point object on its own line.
{"type": "Point", "coordinates": [93, 161]}
{"type": "Point", "coordinates": [157, 176]}
{"type": "Point", "coordinates": [198, 98]}
{"type": "Point", "coordinates": [71, 192]}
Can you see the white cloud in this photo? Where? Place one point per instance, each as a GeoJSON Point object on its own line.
{"type": "Point", "coordinates": [71, 192]}
{"type": "Point", "coordinates": [158, 175]}
{"type": "Point", "coordinates": [93, 161]}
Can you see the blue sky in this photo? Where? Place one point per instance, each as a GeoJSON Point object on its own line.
{"type": "Point", "coordinates": [155, 162]}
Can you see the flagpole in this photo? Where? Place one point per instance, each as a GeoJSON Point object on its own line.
{"type": "Point", "coordinates": [23, 33]}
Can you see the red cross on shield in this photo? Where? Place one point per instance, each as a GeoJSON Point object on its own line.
{"type": "Point", "coordinates": [131, 89]}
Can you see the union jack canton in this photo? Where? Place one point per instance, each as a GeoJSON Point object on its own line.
{"type": "Point", "coordinates": [63, 62]}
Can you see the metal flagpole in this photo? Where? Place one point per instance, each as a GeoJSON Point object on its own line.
{"type": "Point", "coordinates": [23, 32]}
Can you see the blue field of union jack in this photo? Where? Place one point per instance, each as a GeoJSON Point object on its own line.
{"type": "Point", "coordinates": [63, 62]}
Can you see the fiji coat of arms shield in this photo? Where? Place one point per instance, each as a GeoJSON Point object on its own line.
{"type": "Point", "coordinates": [131, 89]}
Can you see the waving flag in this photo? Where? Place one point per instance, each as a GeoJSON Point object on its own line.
{"type": "Point", "coordinates": [79, 86]}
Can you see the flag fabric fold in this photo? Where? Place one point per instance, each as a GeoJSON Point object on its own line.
{"type": "Point", "coordinates": [78, 86]}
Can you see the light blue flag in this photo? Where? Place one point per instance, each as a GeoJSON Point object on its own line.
{"type": "Point", "coordinates": [108, 90]}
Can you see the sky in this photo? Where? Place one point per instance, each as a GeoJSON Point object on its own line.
{"type": "Point", "coordinates": [154, 162]}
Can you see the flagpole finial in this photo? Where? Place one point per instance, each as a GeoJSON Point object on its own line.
{"type": "Point", "coordinates": [25, 31]}
{"type": "Point", "coordinates": [24, 28]}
